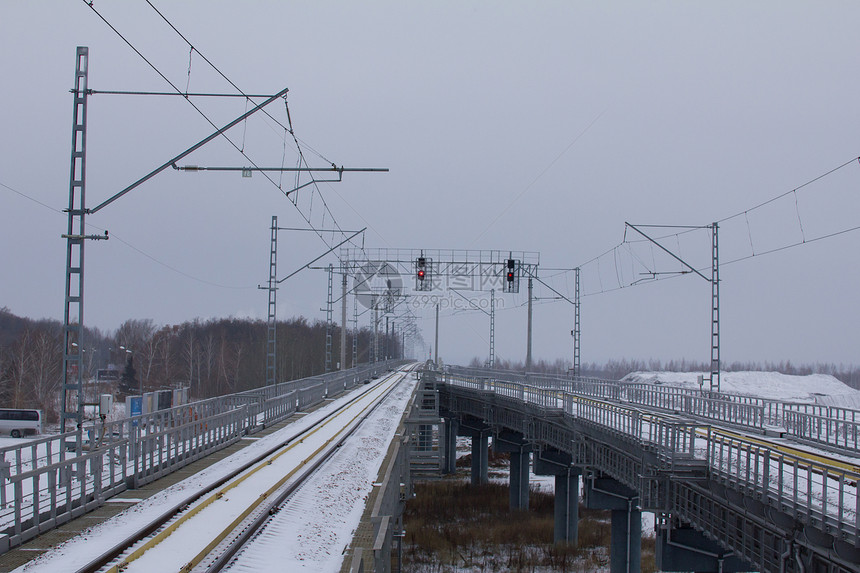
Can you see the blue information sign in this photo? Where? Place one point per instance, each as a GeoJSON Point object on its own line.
{"type": "Point", "coordinates": [135, 405]}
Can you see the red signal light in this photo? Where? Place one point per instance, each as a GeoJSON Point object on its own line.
{"type": "Point", "coordinates": [421, 274]}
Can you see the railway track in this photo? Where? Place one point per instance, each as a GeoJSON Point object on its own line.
{"type": "Point", "coordinates": [205, 530]}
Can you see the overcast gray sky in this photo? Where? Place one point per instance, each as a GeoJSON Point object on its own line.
{"type": "Point", "coordinates": [539, 126]}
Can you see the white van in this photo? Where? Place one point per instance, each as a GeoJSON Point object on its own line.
{"type": "Point", "coordinates": [20, 422]}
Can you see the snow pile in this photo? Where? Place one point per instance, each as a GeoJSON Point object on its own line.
{"type": "Point", "coordinates": [814, 388]}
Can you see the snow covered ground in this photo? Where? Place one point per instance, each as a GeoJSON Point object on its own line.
{"type": "Point", "coordinates": [814, 388]}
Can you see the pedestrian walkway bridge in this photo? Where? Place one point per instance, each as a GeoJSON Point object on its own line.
{"type": "Point", "coordinates": [736, 483]}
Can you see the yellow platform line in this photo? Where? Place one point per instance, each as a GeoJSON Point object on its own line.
{"type": "Point", "coordinates": [165, 533]}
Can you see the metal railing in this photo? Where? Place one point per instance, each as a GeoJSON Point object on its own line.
{"type": "Point", "coordinates": [827, 425]}
{"type": "Point", "coordinates": [43, 483]}
{"type": "Point", "coordinates": [811, 492]}
{"type": "Point", "coordinates": [808, 488]}
{"type": "Point", "coordinates": [830, 426]}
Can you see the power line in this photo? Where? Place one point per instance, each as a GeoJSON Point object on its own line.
{"type": "Point", "coordinates": [655, 276]}
{"type": "Point", "coordinates": [737, 260]}
{"type": "Point", "coordinates": [172, 268]}
{"type": "Point", "coordinates": [541, 174]}
{"type": "Point", "coordinates": [810, 182]}
{"type": "Point", "coordinates": [302, 161]}
{"type": "Point", "coordinates": [171, 84]}
{"type": "Point", "coordinates": [287, 128]}
{"type": "Point", "coordinates": [219, 72]}
{"type": "Point", "coordinates": [129, 245]}
{"type": "Point", "coordinates": [791, 246]}
{"type": "Point", "coordinates": [25, 196]}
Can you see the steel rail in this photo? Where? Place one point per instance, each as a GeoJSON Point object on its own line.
{"type": "Point", "coordinates": [111, 554]}
{"type": "Point", "coordinates": [219, 494]}
{"type": "Point", "coordinates": [249, 530]}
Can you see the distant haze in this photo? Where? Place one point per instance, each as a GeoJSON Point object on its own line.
{"type": "Point", "coordinates": [506, 125]}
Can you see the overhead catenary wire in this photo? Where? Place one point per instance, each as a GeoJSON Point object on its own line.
{"type": "Point", "coordinates": [747, 257]}
{"type": "Point", "coordinates": [170, 83]}
{"type": "Point", "coordinates": [33, 199]}
{"type": "Point", "coordinates": [180, 94]}
{"type": "Point", "coordinates": [192, 49]}
{"type": "Point", "coordinates": [627, 243]}
{"type": "Point", "coordinates": [780, 196]}
{"type": "Point", "coordinates": [288, 128]}
{"type": "Point", "coordinates": [190, 58]}
{"type": "Point", "coordinates": [220, 73]}
{"type": "Point", "coordinates": [692, 228]}
{"type": "Point", "coordinates": [178, 91]}
{"type": "Point", "coordinates": [130, 245]}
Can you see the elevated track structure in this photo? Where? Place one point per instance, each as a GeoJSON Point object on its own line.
{"type": "Point", "coordinates": [736, 483]}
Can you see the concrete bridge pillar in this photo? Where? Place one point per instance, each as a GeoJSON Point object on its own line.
{"type": "Point", "coordinates": [684, 549]}
{"type": "Point", "coordinates": [625, 552]}
{"type": "Point", "coordinates": [520, 478]}
{"type": "Point", "coordinates": [452, 425]}
{"type": "Point", "coordinates": [479, 432]}
{"type": "Point", "coordinates": [514, 443]}
{"type": "Point", "coordinates": [480, 457]}
{"type": "Point", "coordinates": [558, 464]}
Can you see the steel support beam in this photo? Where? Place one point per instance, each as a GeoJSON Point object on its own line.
{"type": "Point", "coordinates": [492, 361]}
{"type": "Point", "coordinates": [685, 549]}
{"type": "Point", "coordinates": [626, 545]}
{"type": "Point", "coordinates": [514, 443]}
{"type": "Point", "coordinates": [354, 331]}
{"type": "Point", "coordinates": [452, 426]}
{"type": "Point", "coordinates": [436, 350]}
{"type": "Point", "coordinates": [715, 309]}
{"type": "Point", "coordinates": [529, 333]}
{"type": "Point", "coordinates": [558, 464]}
{"type": "Point", "coordinates": [577, 329]}
{"type": "Point", "coordinates": [480, 458]}
{"type": "Point", "coordinates": [343, 319]}
{"type": "Point", "coordinates": [328, 319]}
{"type": "Point", "coordinates": [272, 310]}
{"type": "Point", "coordinates": [72, 406]}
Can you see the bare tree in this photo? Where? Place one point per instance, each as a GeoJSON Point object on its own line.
{"type": "Point", "coordinates": [209, 363]}
{"type": "Point", "coordinates": [19, 368]}
{"type": "Point", "coordinates": [136, 335]}
{"type": "Point", "coordinates": [187, 355]}
{"type": "Point", "coordinates": [46, 366]}
{"type": "Point", "coordinates": [165, 346]}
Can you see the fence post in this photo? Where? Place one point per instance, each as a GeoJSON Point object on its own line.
{"type": "Point", "coordinates": [765, 477]}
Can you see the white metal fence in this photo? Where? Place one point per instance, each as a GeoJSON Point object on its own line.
{"type": "Point", "coordinates": [810, 488]}
{"type": "Point", "coordinates": [43, 484]}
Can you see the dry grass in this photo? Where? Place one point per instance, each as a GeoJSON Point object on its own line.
{"type": "Point", "coordinates": [452, 525]}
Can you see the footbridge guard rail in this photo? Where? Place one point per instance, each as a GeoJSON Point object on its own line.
{"type": "Point", "coordinates": [772, 507]}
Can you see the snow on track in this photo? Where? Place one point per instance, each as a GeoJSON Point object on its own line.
{"type": "Point", "coordinates": [78, 551]}
{"type": "Point", "coordinates": [315, 527]}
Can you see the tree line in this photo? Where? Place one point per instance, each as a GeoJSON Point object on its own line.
{"type": "Point", "coordinates": [220, 356]}
{"type": "Point", "coordinates": [211, 357]}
